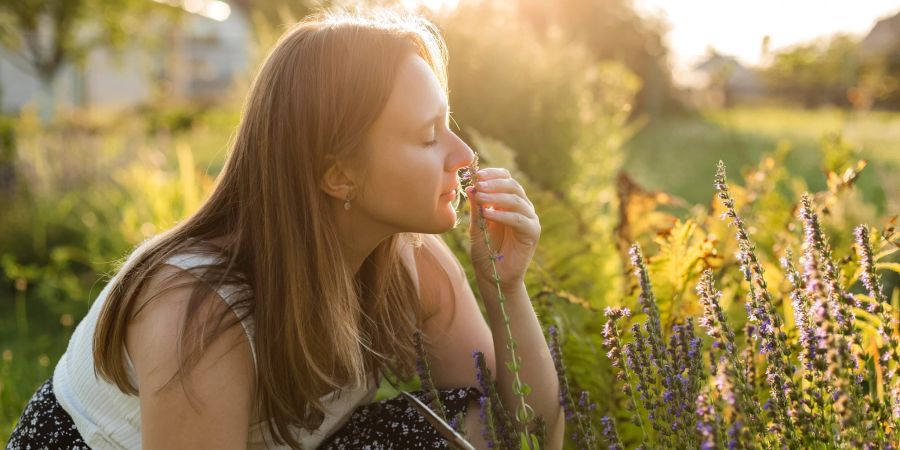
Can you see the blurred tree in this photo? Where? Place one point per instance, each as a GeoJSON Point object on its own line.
{"type": "Point", "coordinates": [42, 36]}
{"type": "Point", "coordinates": [276, 12]}
{"type": "Point", "coordinates": [816, 73]}
{"type": "Point", "coordinates": [613, 30]}
{"type": "Point", "coordinates": [545, 98]}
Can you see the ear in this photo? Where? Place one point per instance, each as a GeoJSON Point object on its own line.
{"type": "Point", "coordinates": [338, 180]}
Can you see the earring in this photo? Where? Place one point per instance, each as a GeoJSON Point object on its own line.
{"type": "Point", "coordinates": [347, 202]}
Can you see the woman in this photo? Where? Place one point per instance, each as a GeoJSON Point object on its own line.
{"type": "Point", "coordinates": [270, 314]}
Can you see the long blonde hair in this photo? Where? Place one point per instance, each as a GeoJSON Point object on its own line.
{"type": "Point", "coordinates": [317, 326]}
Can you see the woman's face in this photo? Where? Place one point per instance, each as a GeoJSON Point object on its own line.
{"type": "Point", "coordinates": [414, 157]}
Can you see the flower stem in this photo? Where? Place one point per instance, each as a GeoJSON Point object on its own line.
{"type": "Point", "coordinates": [524, 412]}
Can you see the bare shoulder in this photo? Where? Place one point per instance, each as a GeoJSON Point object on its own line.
{"type": "Point", "coordinates": [435, 270]}
{"type": "Point", "coordinates": [212, 408]}
{"type": "Point", "coordinates": [454, 325]}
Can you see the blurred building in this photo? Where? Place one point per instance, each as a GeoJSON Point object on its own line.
{"type": "Point", "coordinates": [193, 59]}
{"type": "Point", "coordinates": [721, 81]}
{"type": "Point", "coordinates": [883, 39]}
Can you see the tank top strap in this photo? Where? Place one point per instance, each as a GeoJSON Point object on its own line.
{"type": "Point", "coordinates": [230, 293]}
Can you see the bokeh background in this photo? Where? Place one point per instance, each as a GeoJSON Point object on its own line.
{"type": "Point", "coordinates": [115, 117]}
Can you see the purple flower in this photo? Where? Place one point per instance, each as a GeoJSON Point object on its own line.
{"type": "Point", "coordinates": [871, 280]}
{"type": "Point", "coordinates": [424, 371]}
{"type": "Point", "coordinates": [707, 422]}
{"type": "Point", "coordinates": [610, 434]}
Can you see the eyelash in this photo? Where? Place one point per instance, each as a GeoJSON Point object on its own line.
{"type": "Point", "coordinates": [432, 142]}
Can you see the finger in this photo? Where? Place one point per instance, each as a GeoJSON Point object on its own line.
{"type": "Point", "coordinates": [516, 221]}
{"type": "Point", "coordinates": [506, 201]}
{"type": "Point", "coordinates": [500, 185]}
{"type": "Point", "coordinates": [491, 173]}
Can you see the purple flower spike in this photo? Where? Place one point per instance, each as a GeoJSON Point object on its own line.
{"type": "Point", "coordinates": [610, 434]}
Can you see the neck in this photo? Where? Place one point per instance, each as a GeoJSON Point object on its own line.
{"type": "Point", "coordinates": [358, 236]}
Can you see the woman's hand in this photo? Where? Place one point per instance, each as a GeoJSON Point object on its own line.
{"type": "Point", "coordinates": [512, 225]}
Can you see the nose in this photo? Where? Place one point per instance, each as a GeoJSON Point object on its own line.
{"type": "Point", "coordinates": [461, 155]}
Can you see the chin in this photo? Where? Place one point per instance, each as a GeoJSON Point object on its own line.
{"type": "Point", "coordinates": [443, 224]}
{"type": "Point", "coordinates": [451, 222]}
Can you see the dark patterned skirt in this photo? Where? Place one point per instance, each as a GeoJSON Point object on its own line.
{"type": "Point", "coordinates": [389, 424]}
{"type": "Point", "coordinates": [45, 425]}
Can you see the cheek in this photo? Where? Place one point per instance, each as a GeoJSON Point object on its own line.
{"type": "Point", "coordinates": [410, 184]}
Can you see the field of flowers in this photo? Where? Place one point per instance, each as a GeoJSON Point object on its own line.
{"type": "Point", "coordinates": [810, 363]}
{"type": "Point", "coordinates": [684, 309]}
{"type": "Point", "coordinates": [810, 359]}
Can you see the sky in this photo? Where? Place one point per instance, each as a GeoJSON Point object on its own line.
{"type": "Point", "coordinates": [737, 28]}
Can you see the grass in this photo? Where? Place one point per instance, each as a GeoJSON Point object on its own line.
{"type": "Point", "coordinates": [672, 154]}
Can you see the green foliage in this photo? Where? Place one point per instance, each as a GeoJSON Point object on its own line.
{"type": "Point", "coordinates": [558, 101]}
{"type": "Point", "coordinates": [81, 201]}
{"type": "Point", "coordinates": [816, 73]}
{"type": "Point", "coordinates": [45, 35]}
{"type": "Point", "coordinates": [86, 191]}
{"type": "Point", "coordinates": [686, 145]}
{"type": "Point", "coordinates": [612, 30]}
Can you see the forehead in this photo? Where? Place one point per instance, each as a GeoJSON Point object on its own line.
{"type": "Point", "coordinates": [416, 98]}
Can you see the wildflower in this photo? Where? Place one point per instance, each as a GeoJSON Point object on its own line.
{"type": "Point", "coordinates": [763, 315]}
{"type": "Point", "coordinates": [693, 373]}
{"type": "Point", "coordinates": [610, 433]}
{"type": "Point", "coordinates": [842, 363]}
{"type": "Point", "coordinates": [732, 375]}
{"type": "Point", "coordinates": [800, 304]}
{"type": "Point", "coordinates": [424, 371]}
{"type": "Point", "coordinates": [497, 419]}
{"type": "Point", "coordinates": [612, 341]}
{"type": "Point", "coordinates": [808, 419]}
{"type": "Point", "coordinates": [872, 283]}
{"type": "Point", "coordinates": [713, 319]}
{"type": "Point", "coordinates": [735, 432]}
{"type": "Point", "coordinates": [583, 430]}
{"type": "Point", "coordinates": [820, 252]}
{"type": "Point", "coordinates": [488, 431]}
{"type": "Point", "coordinates": [524, 412]}
{"type": "Point", "coordinates": [638, 362]}
{"type": "Point", "coordinates": [658, 354]}
{"type": "Point", "coordinates": [890, 349]}
{"type": "Point", "coordinates": [707, 422]}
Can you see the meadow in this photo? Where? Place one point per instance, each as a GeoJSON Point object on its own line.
{"type": "Point", "coordinates": [688, 147]}
{"type": "Point", "coordinates": [87, 190]}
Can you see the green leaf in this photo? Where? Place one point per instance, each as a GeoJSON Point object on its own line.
{"type": "Point", "coordinates": [870, 382]}
{"type": "Point", "coordinates": [888, 265]}
{"type": "Point", "coordinates": [526, 389]}
{"type": "Point", "coordinates": [523, 442]}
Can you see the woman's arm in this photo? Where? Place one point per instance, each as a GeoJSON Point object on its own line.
{"type": "Point", "coordinates": [504, 232]}
{"type": "Point", "coordinates": [454, 324]}
{"type": "Point", "coordinates": [216, 414]}
{"type": "Point", "coordinates": [456, 328]}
